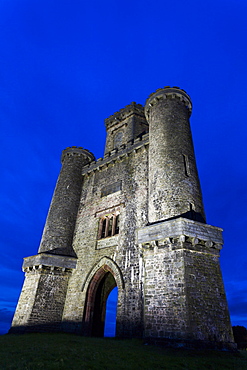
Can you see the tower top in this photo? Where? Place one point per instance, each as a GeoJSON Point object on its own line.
{"type": "Point", "coordinates": [124, 113]}
{"type": "Point", "coordinates": [125, 126]}
{"type": "Point", "coordinates": [166, 93]}
{"type": "Point", "coordinates": [77, 151]}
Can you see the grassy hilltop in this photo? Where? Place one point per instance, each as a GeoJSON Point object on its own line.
{"type": "Point", "coordinates": [65, 351]}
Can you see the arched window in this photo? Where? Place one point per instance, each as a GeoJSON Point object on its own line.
{"type": "Point", "coordinates": [108, 226]}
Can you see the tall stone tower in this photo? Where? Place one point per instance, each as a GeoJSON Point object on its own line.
{"type": "Point", "coordinates": [172, 167]}
{"type": "Point", "coordinates": [132, 219]}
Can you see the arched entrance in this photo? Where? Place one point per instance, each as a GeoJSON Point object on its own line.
{"type": "Point", "coordinates": [98, 291]}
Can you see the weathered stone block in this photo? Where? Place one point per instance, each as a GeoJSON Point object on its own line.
{"type": "Point", "coordinates": [64, 262]}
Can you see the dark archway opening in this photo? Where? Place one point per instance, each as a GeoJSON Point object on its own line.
{"type": "Point", "coordinates": [111, 313]}
{"type": "Point", "coordinates": [99, 289]}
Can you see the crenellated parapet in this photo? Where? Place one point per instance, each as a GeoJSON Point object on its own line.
{"type": "Point", "coordinates": [168, 93]}
{"type": "Point", "coordinates": [77, 151]}
{"type": "Point", "coordinates": [49, 262]}
{"type": "Point", "coordinates": [182, 230]}
{"type": "Point", "coordinates": [125, 126]}
{"type": "Point", "coordinates": [124, 113]}
{"type": "Point", "coordinates": [50, 270]}
{"type": "Point", "coordinates": [117, 154]}
{"type": "Point", "coordinates": [183, 242]}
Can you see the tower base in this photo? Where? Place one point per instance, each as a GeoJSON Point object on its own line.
{"type": "Point", "coordinates": [41, 302]}
{"type": "Point", "coordinates": [184, 297]}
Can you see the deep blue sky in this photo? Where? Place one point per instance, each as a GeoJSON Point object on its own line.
{"type": "Point", "coordinates": [67, 65]}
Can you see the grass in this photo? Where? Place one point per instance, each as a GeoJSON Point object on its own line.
{"type": "Point", "coordinates": [66, 351]}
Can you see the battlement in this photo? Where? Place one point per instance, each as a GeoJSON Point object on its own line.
{"type": "Point", "coordinates": [183, 229]}
{"type": "Point", "coordinates": [76, 151]}
{"type": "Point", "coordinates": [115, 154]}
{"type": "Point", "coordinates": [124, 113]}
{"type": "Point", "coordinates": [168, 93]}
{"type": "Point", "coordinates": [49, 260]}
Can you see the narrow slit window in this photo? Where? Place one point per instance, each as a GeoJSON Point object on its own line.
{"type": "Point", "coordinates": [117, 225]}
{"type": "Point", "coordinates": [110, 230]}
{"type": "Point", "coordinates": [186, 165]}
{"type": "Point", "coordinates": [103, 233]}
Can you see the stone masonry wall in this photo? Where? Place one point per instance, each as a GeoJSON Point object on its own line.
{"type": "Point", "coordinates": [48, 306]}
{"type": "Point", "coordinates": [26, 301]}
{"type": "Point", "coordinates": [165, 306]}
{"type": "Point", "coordinates": [59, 228]}
{"type": "Point", "coordinates": [125, 126]}
{"type": "Point", "coordinates": [41, 303]}
{"type": "Point", "coordinates": [174, 187]}
{"type": "Point", "coordinates": [131, 203]}
{"type": "Point", "coordinates": [208, 312]}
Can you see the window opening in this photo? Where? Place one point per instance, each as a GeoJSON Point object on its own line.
{"type": "Point", "coordinates": [118, 139]}
{"type": "Point", "coordinates": [103, 233]}
{"type": "Point", "coordinates": [117, 225]}
{"type": "Point", "coordinates": [186, 165]}
{"type": "Point", "coordinates": [108, 226]}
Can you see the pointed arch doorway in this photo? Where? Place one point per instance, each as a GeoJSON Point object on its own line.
{"type": "Point", "coordinates": [100, 286]}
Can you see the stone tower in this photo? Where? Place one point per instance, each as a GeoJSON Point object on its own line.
{"type": "Point", "coordinates": [172, 166]}
{"type": "Point", "coordinates": [132, 219]}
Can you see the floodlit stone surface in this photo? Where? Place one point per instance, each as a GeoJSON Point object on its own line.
{"type": "Point", "coordinates": [133, 219]}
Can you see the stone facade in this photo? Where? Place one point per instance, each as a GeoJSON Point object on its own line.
{"type": "Point", "coordinates": [132, 219]}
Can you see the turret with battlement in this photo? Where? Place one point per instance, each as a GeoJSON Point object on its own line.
{"type": "Point", "coordinates": [174, 187]}
{"type": "Point", "coordinates": [125, 126]}
{"type": "Point", "coordinates": [59, 228]}
{"type": "Point", "coordinates": [41, 303]}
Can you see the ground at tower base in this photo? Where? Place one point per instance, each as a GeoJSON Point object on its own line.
{"type": "Point", "coordinates": [68, 351]}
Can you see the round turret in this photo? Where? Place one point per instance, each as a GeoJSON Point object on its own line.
{"type": "Point", "coordinates": [60, 223]}
{"type": "Point", "coordinates": [77, 151]}
{"type": "Point", "coordinates": [168, 93]}
{"type": "Point", "coordinates": [174, 188]}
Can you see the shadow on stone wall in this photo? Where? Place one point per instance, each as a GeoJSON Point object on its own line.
{"type": "Point", "coordinates": [125, 329]}
{"type": "Point", "coordinates": [191, 215]}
